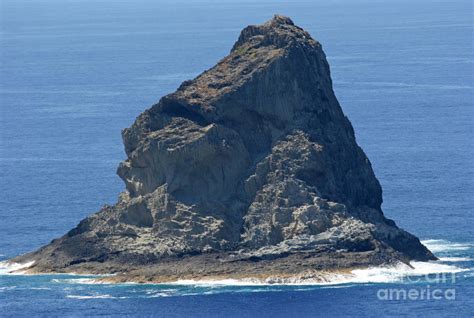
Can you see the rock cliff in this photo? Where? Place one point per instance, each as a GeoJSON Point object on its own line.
{"type": "Point", "coordinates": [251, 166]}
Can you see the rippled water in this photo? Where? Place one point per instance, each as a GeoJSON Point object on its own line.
{"type": "Point", "coordinates": [74, 73]}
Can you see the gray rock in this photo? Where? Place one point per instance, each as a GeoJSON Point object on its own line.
{"type": "Point", "coordinates": [252, 160]}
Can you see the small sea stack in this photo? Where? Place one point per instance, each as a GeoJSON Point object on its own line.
{"type": "Point", "coordinates": [250, 170]}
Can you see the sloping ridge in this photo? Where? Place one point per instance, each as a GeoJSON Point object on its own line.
{"type": "Point", "coordinates": [252, 160]}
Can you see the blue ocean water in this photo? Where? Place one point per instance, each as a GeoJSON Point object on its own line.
{"type": "Point", "coordinates": [73, 73]}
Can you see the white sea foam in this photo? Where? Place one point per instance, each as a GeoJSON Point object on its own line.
{"type": "Point", "coordinates": [97, 296]}
{"type": "Point", "coordinates": [82, 281]}
{"type": "Point", "coordinates": [12, 268]}
{"type": "Point", "coordinates": [398, 272]}
{"type": "Point", "coordinates": [384, 274]}
{"type": "Point", "coordinates": [440, 246]}
{"type": "Point", "coordinates": [39, 288]}
{"type": "Point", "coordinates": [456, 259]}
{"type": "Point", "coordinates": [161, 294]}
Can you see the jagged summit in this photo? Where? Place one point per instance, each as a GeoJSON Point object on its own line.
{"type": "Point", "coordinates": [279, 32]}
{"type": "Point", "coordinates": [249, 168]}
{"type": "Point", "coordinates": [279, 19]}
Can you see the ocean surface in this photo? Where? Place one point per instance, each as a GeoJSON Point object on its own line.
{"type": "Point", "coordinates": [73, 73]}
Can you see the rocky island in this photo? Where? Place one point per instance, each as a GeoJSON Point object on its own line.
{"type": "Point", "coordinates": [250, 170]}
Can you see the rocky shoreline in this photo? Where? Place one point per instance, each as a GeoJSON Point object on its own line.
{"type": "Point", "coordinates": [219, 266]}
{"type": "Point", "coordinates": [249, 170]}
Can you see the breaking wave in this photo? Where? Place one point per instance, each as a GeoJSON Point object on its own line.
{"type": "Point", "coordinates": [97, 296]}
{"type": "Point", "coordinates": [11, 268]}
{"type": "Point", "coordinates": [84, 281]}
{"type": "Point", "coordinates": [383, 274]}
{"type": "Point", "coordinates": [443, 246]}
{"type": "Point", "coordinates": [456, 259]}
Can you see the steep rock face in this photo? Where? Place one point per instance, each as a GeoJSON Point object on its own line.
{"type": "Point", "coordinates": [253, 156]}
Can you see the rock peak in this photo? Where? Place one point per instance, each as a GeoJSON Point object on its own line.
{"type": "Point", "coordinates": [279, 32]}
{"type": "Point", "coordinates": [258, 48]}
{"type": "Point", "coordinates": [280, 20]}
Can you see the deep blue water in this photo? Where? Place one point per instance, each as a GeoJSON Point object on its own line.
{"type": "Point", "coordinates": [74, 73]}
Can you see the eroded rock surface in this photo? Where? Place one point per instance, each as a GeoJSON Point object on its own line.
{"type": "Point", "coordinates": [253, 160]}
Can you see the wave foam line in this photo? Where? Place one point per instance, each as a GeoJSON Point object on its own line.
{"type": "Point", "coordinates": [385, 274]}
{"type": "Point", "coordinates": [11, 268]}
{"type": "Point", "coordinates": [98, 296]}
{"type": "Point", "coordinates": [456, 259]}
{"type": "Point", "coordinates": [395, 273]}
{"type": "Point", "coordinates": [439, 246]}
{"type": "Point", "coordinates": [83, 281]}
